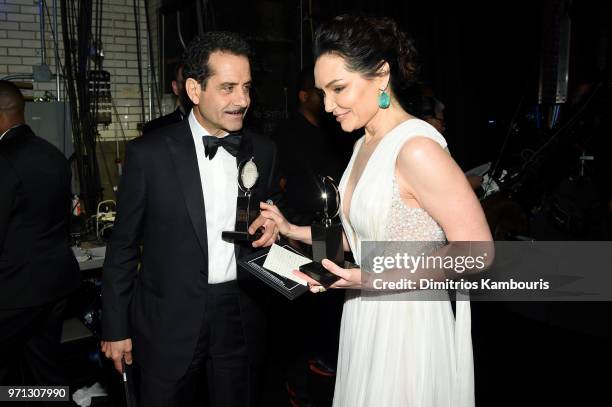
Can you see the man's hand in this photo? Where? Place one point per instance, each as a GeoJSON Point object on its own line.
{"type": "Point", "coordinates": [118, 350]}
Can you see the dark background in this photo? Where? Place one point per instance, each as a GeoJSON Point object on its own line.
{"type": "Point", "coordinates": [481, 58]}
{"type": "Point", "coordinates": [483, 61]}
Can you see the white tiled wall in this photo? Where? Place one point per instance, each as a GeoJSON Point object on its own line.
{"type": "Point", "coordinates": [20, 49]}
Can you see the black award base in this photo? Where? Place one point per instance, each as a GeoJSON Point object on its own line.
{"type": "Point", "coordinates": [316, 271]}
{"type": "Point", "coordinates": [254, 264]}
{"type": "Point", "coordinates": [243, 220]}
{"type": "Point", "coordinates": [236, 236]}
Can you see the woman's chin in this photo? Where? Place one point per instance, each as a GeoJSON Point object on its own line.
{"type": "Point", "coordinates": [347, 127]}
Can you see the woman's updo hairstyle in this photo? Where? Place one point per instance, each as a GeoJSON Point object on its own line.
{"type": "Point", "coordinates": [366, 43]}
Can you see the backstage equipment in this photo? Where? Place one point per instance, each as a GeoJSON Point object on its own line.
{"type": "Point", "coordinates": [100, 88]}
{"type": "Point", "coordinates": [87, 301]}
{"type": "Point", "coordinates": [51, 121]}
{"type": "Point", "coordinates": [105, 219]}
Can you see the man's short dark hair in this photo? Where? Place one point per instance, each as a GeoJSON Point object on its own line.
{"type": "Point", "coordinates": [176, 68]}
{"type": "Point", "coordinates": [11, 98]}
{"type": "Point", "coordinates": [305, 80]}
{"type": "Point", "coordinates": [431, 107]}
{"type": "Point", "coordinates": [198, 52]}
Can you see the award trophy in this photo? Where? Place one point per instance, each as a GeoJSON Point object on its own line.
{"type": "Point", "coordinates": [247, 179]}
{"type": "Point", "coordinates": [327, 236]}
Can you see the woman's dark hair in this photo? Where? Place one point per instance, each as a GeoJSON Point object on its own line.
{"type": "Point", "coordinates": [366, 43]}
{"type": "Point", "coordinates": [197, 53]}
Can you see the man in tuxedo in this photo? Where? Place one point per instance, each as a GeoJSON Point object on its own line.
{"type": "Point", "coordinates": [182, 104]}
{"type": "Point", "coordinates": [189, 309]}
{"type": "Point", "coordinates": [37, 267]}
{"type": "Point", "coordinates": [306, 151]}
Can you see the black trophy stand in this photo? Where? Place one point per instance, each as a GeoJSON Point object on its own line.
{"type": "Point", "coordinates": [327, 238]}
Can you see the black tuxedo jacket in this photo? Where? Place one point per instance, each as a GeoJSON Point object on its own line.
{"type": "Point", "coordinates": [37, 265]}
{"type": "Point", "coordinates": [161, 205]}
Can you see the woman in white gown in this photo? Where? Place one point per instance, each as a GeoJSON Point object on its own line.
{"type": "Point", "coordinates": [400, 185]}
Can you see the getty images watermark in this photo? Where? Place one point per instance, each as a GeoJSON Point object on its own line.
{"type": "Point", "coordinates": [490, 271]}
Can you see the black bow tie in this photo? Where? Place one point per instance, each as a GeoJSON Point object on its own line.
{"type": "Point", "coordinates": [231, 143]}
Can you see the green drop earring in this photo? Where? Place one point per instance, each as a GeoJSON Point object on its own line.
{"type": "Point", "coordinates": [384, 100]}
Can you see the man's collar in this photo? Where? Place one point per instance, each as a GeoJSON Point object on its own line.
{"type": "Point", "coordinates": [13, 127]}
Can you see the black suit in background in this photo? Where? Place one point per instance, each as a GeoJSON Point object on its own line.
{"type": "Point", "coordinates": [176, 116]}
{"type": "Point", "coordinates": [305, 152]}
{"type": "Point", "coordinates": [37, 267]}
{"type": "Point", "coordinates": [173, 316]}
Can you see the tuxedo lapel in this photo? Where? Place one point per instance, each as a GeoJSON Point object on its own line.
{"type": "Point", "coordinates": [183, 154]}
{"type": "Point", "coordinates": [246, 149]}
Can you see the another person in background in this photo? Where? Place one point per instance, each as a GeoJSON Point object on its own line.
{"type": "Point", "coordinates": [432, 111]}
{"type": "Point", "coordinates": [305, 152]}
{"type": "Point", "coordinates": [38, 269]}
{"type": "Point", "coordinates": [182, 103]}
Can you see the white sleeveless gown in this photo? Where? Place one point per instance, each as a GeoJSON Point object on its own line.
{"type": "Point", "coordinates": [399, 352]}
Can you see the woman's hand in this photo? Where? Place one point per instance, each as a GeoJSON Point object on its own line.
{"type": "Point", "coordinates": [272, 213]}
{"type": "Point", "coordinates": [349, 278]}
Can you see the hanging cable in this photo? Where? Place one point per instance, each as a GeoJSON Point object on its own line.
{"type": "Point", "coordinates": [66, 17]}
{"type": "Point", "coordinates": [59, 68]}
{"type": "Point", "coordinates": [151, 59]}
{"type": "Point", "coordinates": [77, 37]}
{"type": "Point", "coordinates": [178, 28]}
{"type": "Point", "coordinates": [139, 60]}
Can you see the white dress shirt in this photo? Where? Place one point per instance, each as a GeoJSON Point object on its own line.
{"type": "Point", "coordinates": [219, 178]}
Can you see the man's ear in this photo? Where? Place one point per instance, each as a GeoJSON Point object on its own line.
{"type": "Point", "coordinates": [303, 96]}
{"type": "Point", "coordinates": [175, 88]}
{"type": "Point", "coordinates": [193, 89]}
